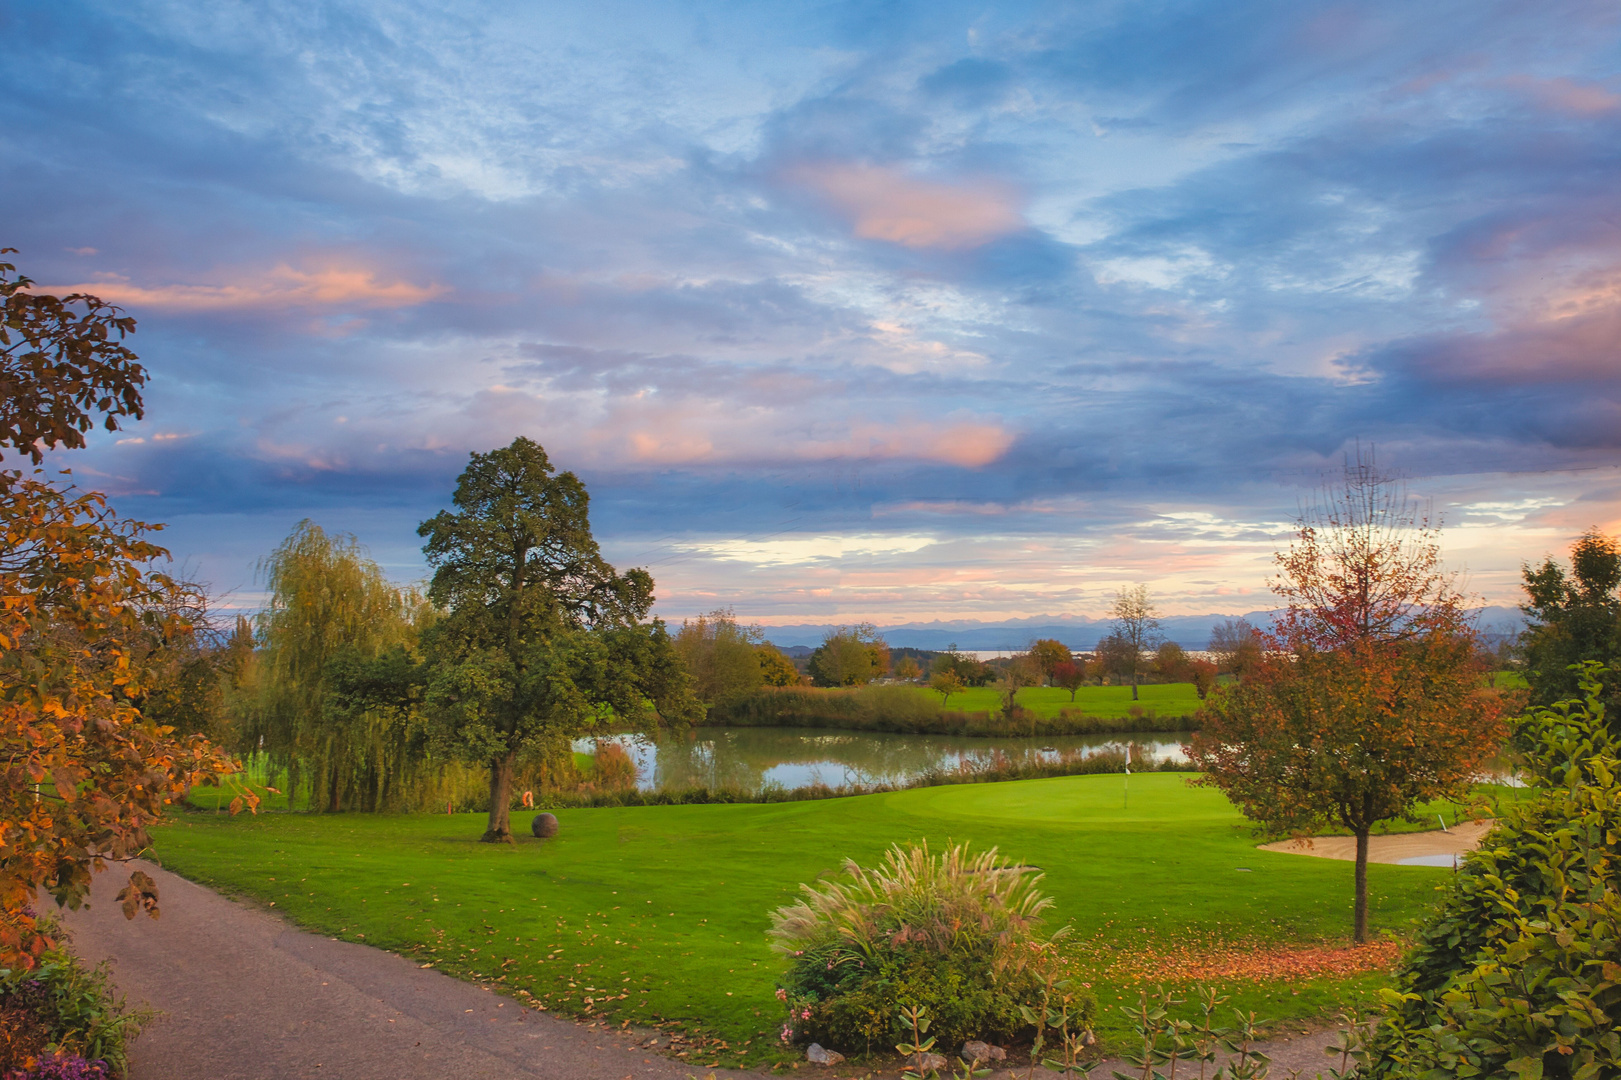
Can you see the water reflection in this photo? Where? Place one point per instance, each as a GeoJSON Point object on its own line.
{"type": "Point", "coordinates": [752, 758]}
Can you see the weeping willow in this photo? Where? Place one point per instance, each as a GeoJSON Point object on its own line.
{"type": "Point", "coordinates": [330, 602]}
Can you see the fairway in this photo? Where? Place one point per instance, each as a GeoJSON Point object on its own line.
{"type": "Point", "coordinates": [1162, 699]}
{"type": "Point", "coordinates": [662, 911]}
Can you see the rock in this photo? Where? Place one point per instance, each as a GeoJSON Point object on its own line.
{"type": "Point", "coordinates": [544, 826]}
{"type": "Point", "coordinates": [925, 1061]}
{"type": "Point", "coordinates": [816, 1055]}
{"type": "Point", "coordinates": [974, 1052]}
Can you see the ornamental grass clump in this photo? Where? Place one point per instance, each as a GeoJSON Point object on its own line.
{"type": "Point", "coordinates": [958, 934]}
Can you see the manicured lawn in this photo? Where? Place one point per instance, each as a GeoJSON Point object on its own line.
{"type": "Point", "coordinates": [1165, 699]}
{"type": "Point", "coordinates": [661, 911]}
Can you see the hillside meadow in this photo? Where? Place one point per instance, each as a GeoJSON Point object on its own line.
{"type": "Point", "coordinates": [659, 914]}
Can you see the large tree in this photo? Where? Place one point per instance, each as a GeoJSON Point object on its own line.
{"type": "Point", "coordinates": [1574, 616]}
{"type": "Point", "coordinates": [1368, 699]}
{"type": "Point", "coordinates": [1136, 630]}
{"type": "Point", "coordinates": [541, 639]}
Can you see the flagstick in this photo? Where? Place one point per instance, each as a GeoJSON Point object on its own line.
{"type": "Point", "coordinates": [1125, 796]}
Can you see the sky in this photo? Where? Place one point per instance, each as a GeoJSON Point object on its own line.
{"type": "Point", "coordinates": [843, 311]}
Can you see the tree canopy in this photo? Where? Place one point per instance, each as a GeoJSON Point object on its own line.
{"type": "Point", "coordinates": [1369, 699]}
{"type": "Point", "coordinates": [1574, 616]}
{"type": "Point", "coordinates": [541, 638]}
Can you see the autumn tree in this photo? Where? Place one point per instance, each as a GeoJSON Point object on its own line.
{"type": "Point", "coordinates": [1368, 700]}
{"type": "Point", "coordinates": [1235, 646]}
{"type": "Point", "coordinates": [1171, 663]}
{"type": "Point", "coordinates": [541, 639]}
{"type": "Point", "coordinates": [775, 667]}
{"type": "Point", "coordinates": [1203, 675]}
{"type": "Point", "coordinates": [722, 656]}
{"type": "Point", "coordinates": [1574, 615]}
{"type": "Point", "coordinates": [1135, 627]}
{"type": "Point", "coordinates": [850, 656]}
{"type": "Point", "coordinates": [945, 683]}
{"type": "Point", "coordinates": [63, 363]}
{"type": "Point", "coordinates": [907, 669]}
{"type": "Point", "coordinates": [1069, 675]}
{"type": "Point", "coordinates": [87, 623]}
{"type": "Point", "coordinates": [1017, 672]}
{"type": "Point", "coordinates": [1047, 654]}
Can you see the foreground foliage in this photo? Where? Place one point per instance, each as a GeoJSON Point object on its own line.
{"type": "Point", "coordinates": [957, 934]}
{"type": "Point", "coordinates": [62, 1019]}
{"type": "Point", "coordinates": [1519, 973]}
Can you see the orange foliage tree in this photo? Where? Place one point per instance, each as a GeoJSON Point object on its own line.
{"type": "Point", "coordinates": [1369, 699]}
{"type": "Point", "coordinates": [84, 621]}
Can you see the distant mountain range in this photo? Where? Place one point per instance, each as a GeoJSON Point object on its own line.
{"type": "Point", "coordinates": [1078, 632]}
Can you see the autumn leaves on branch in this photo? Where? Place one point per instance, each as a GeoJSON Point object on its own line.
{"type": "Point", "coordinates": [85, 620]}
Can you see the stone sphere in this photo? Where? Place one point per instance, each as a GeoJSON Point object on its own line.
{"type": "Point", "coordinates": [544, 826]}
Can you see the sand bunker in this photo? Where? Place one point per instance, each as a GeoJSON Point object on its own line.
{"type": "Point", "coordinates": [1414, 849]}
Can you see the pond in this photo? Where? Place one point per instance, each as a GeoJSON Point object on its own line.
{"type": "Point", "coordinates": [756, 757]}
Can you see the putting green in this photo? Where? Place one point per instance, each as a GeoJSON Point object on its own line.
{"type": "Point", "coordinates": [639, 912]}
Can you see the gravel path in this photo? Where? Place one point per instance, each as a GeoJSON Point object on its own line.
{"type": "Point", "coordinates": [243, 996]}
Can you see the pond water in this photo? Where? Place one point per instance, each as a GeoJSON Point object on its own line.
{"type": "Point", "coordinates": [753, 758]}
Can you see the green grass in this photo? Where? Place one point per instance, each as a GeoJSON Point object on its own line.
{"type": "Point", "coordinates": [669, 904]}
{"type": "Point", "coordinates": [1164, 699]}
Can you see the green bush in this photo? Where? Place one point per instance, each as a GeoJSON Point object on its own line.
{"type": "Point", "coordinates": [76, 1008]}
{"type": "Point", "coordinates": [1519, 972]}
{"type": "Point", "coordinates": [957, 934]}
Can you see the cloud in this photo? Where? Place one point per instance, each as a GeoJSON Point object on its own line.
{"type": "Point", "coordinates": [282, 286]}
{"type": "Point", "coordinates": [887, 204]}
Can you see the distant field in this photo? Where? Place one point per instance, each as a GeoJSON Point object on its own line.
{"type": "Point", "coordinates": [1164, 699]}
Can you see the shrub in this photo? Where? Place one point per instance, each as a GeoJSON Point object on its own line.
{"type": "Point", "coordinates": [957, 934]}
{"type": "Point", "coordinates": [75, 1009]}
{"type": "Point", "coordinates": [1519, 972]}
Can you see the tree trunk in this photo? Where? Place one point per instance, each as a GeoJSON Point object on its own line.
{"type": "Point", "coordinates": [500, 828]}
{"type": "Point", "coordinates": [1360, 932]}
{"type": "Point", "coordinates": [1134, 686]}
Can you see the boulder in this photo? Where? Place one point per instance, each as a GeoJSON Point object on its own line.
{"type": "Point", "coordinates": [817, 1056]}
{"type": "Point", "coordinates": [544, 826]}
{"type": "Point", "coordinates": [928, 1060]}
{"type": "Point", "coordinates": [974, 1052]}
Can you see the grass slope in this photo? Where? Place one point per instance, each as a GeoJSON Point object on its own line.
{"type": "Point", "coordinates": [662, 911]}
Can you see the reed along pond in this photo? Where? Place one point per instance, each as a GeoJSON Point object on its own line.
{"type": "Point", "coordinates": [753, 758]}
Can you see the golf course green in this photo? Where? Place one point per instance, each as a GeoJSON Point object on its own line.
{"type": "Point", "coordinates": [661, 912]}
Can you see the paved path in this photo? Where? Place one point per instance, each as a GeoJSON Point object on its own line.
{"type": "Point", "coordinates": [246, 997]}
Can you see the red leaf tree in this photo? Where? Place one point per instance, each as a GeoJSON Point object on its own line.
{"type": "Point", "coordinates": [1369, 699]}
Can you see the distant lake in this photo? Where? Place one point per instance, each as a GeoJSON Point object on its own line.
{"type": "Point", "coordinates": [753, 758]}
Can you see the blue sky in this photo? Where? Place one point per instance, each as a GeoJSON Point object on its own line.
{"type": "Point", "coordinates": [844, 311]}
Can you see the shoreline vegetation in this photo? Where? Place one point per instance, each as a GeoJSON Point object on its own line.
{"type": "Point", "coordinates": [996, 769]}
{"type": "Point", "coordinates": [909, 710]}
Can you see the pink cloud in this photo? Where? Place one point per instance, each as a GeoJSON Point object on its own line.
{"type": "Point", "coordinates": [886, 204]}
{"type": "Point", "coordinates": [282, 286]}
{"type": "Point", "coordinates": [1568, 95]}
